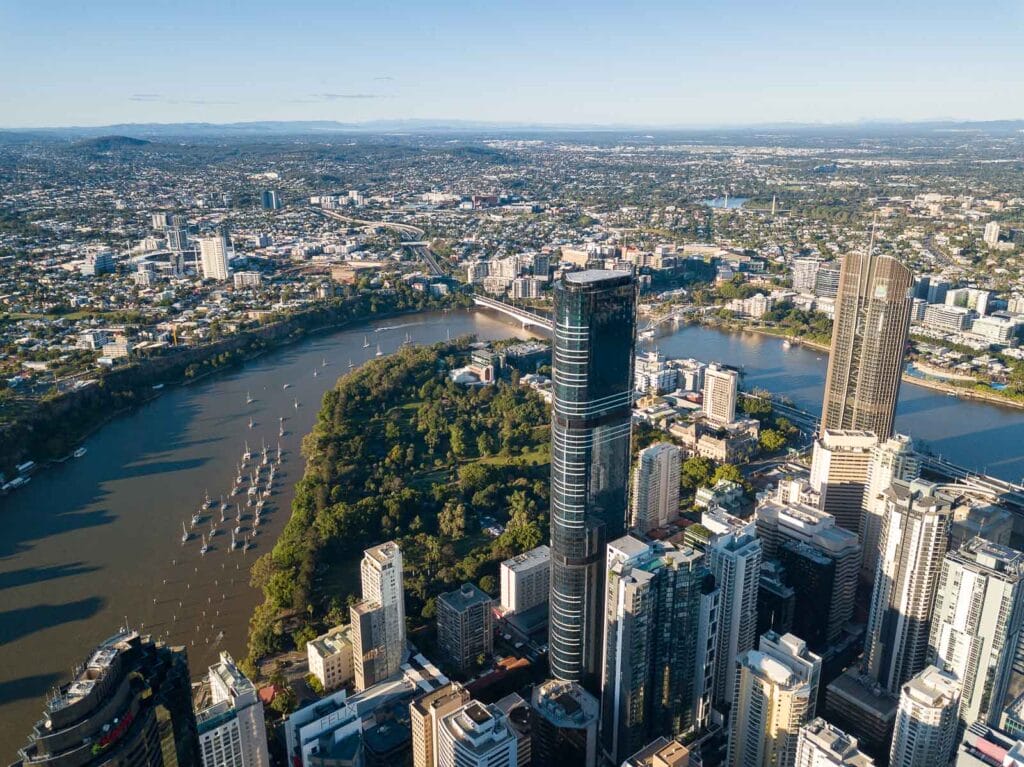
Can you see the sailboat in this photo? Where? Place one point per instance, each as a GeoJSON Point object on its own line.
{"type": "Point", "coordinates": [233, 542]}
{"type": "Point", "coordinates": [223, 505]}
{"type": "Point", "coordinates": [223, 508]}
{"type": "Point", "coordinates": [296, 404]}
{"type": "Point", "coordinates": [207, 502]}
{"type": "Point", "coordinates": [351, 364]}
{"type": "Point", "coordinates": [447, 334]}
{"type": "Point", "coordinates": [366, 342]}
{"type": "Point", "coordinates": [408, 339]}
{"type": "Point", "coordinates": [195, 519]}
{"type": "Point", "coordinates": [315, 372]}
{"type": "Point", "coordinates": [213, 529]}
{"type": "Point", "coordinates": [379, 352]}
{"type": "Point", "coordinates": [323, 362]}
{"type": "Point", "coordinates": [251, 424]}
{"type": "Point", "coordinates": [184, 533]}
{"type": "Point", "coordinates": [247, 454]}
{"type": "Point", "coordinates": [248, 398]}
{"type": "Point", "coordinates": [205, 547]}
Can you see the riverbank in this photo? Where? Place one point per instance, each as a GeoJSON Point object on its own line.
{"type": "Point", "coordinates": [786, 337]}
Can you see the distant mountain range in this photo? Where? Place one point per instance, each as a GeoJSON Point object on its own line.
{"type": "Point", "coordinates": [299, 127]}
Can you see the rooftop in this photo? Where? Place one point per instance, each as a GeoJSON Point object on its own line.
{"type": "Point", "coordinates": [463, 598]}
{"type": "Point", "coordinates": [597, 276]}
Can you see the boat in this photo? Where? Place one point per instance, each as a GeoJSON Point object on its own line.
{"type": "Point", "coordinates": [238, 529]}
{"type": "Point", "coordinates": [234, 543]}
{"type": "Point", "coordinates": [323, 362]}
{"type": "Point", "coordinates": [296, 404]}
{"type": "Point", "coordinates": [195, 519]}
{"type": "Point", "coordinates": [223, 508]}
{"type": "Point", "coordinates": [223, 505]}
{"type": "Point", "coordinates": [315, 372]}
{"type": "Point", "coordinates": [157, 387]}
{"type": "Point", "coordinates": [251, 424]}
{"type": "Point", "coordinates": [247, 454]}
{"type": "Point", "coordinates": [185, 535]}
{"type": "Point", "coordinates": [248, 398]}
{"type": "Point", "coordinates": [213, 530]}
{"type": "Point", "coordinates": [280, 431]}
{"type": "Point", "coordinates": [786, 344]}
{"type": "Point", "coordinates": [80, 452]}
{"type": "Point", "coordinates": [207, 501]}
{"type": "Point", "coordinates": [379, 352]}
{"type": "Point", "coordinates": [205, 547]}
{"type": "Point", "coordinates": [286, 386]}
{"type": "Point", "coordinates": [366, 342]}
{"type": "Point", "coordinates": [351, 364]}
{"type": "Point", "coordinates": [408, 339]}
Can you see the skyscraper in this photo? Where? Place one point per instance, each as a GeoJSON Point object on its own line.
{"type": "Point", "coordinates": [735, 561]}
{"type": "Point", "coordinates": [721, 385]}
{"type": "Point", "coordinates": [776, 694]}
{"type": "Point", "coordinates": [425, 714]}
{"type": "Point", "coordinates": [213, 253]}
{"type": "Point", "coordinates": [655, 680]}
{"type": "Point", "coordinates": [592, 382]}
{"type": "Point", "coordinates": [563, 724]}
{"type": "Point", "coordinates": [872, 316]}
{"type": "Point", "coordinates": [130, 703]}
{"type": "Point", "coordinates": [891, 459]}
{"type": "Point", "coordinates": [820, 744]}
{"type": "Point", "coordinates": [839, 473]}
{"type": "Point", "coordinates": [475, 735]}
{"type": "Point", "coordinates": [976, 624]}
{"type": "Point", "coordinates": [378, 622]}
{"type": "Point", "coordinates": [911, 550]}
{"type": "Point", "coordinates": [926, 721]}
{"type": "Point", "coordinates": [465, 627]}
{"type": "Point", "coordinates": [232, 731]}
{"type": "Point", "coordinates": [656, 486]}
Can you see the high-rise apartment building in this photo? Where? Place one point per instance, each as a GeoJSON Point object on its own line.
{"type": "Point", "coordinates": [476, 735]}
{"type": "Point", "coordinates": [592, 386]}
{"type": "Point", "coordinates": [991, 235]}
{"type": "Point", "coordinates": [976, 625]}
{"type": "Point", "coordinates": [213, 255]}
{"type": "Point", "coordinates": [232, 731]}
{"type": "Point", "coordinates": [820, 744]}
{"type": "Point", "coordinates": [652, 683]}
{"type": "Point", "coordinates": [776, 693]}
{"type": "Point", "coordinates": [926, 721]}
{"type": "Point", "coordinates": [563, 725]}
{"type": "Point", "coordinates": [891, 459]}
{"type": "Point", "coordinates": [869, 334]}
{"type": "Point", "coordinates": [734, 558]}
{"type": "Point", "coordinates": [130, 703]}
{"type": "Point", "coordinates": [805, 274]}
{"type": "Point", "coordinates": [839, 473]}
{"type": "Point", "coordinates": [425, 714]}
{"type": "Point", "coordinates": [911, 551]}
{"type": "Point", "coordinates": [378, 622]}
{"type": "Point", "coordinates": [465, 626]}
{"type": "Point", "coordinates": [656, 486]}
{"type": "Point", "coordinates": [526, 580]}
{"type": "Point", "coordinates": [721, 387]}
{"type": "Point", "coordinates": [270, 199]}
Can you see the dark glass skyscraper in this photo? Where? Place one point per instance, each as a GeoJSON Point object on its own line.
{"type": "Point", "coordinates": [592, 376]}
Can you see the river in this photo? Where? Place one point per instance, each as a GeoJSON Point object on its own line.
{"type": "Point", "coordinates": [96, 541]}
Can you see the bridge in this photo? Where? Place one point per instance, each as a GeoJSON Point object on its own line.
{"type": "Point", "coordinates": [524, 316]}
{"type": "Point", "coordinates": [411, 236]}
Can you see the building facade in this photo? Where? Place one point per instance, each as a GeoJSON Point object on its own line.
{"type": "Point", "coordinates": [465, 626]}
{"type": "Point", "coordinates": [378, 622]}
{"type": "Point", "coordinates": [721, 387]}
{"type": "Point", "coordinates": [656, 486]}
{"type": "Point", "coordinates": [820, 744]}
{"type": "Point", "coordinates": [926, 721]}
{"type": "Point", "coordinates": [526, 580]}
{"type": "Point", "coordinates": [475, 735]}
{"type": "Point", "coordinates": [232, 732]}
{"type": "Point", "coordinates": [839, 473]}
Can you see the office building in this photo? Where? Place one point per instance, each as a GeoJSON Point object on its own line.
{"type": "Point", "coordinates": [662, 752]}
{"type": "Point", "coordinates": [776, 693]}
{"type": "Point", "coordinates": [857, 704]}
{"type": "Point", "coordinates": [563, 725]}
{"type": "Point", "coordinates": [425, 714]}
{"type": "Point", "coordinates": [378, 622]}
{"type": "Point", "coordinates": [213, 255]}
{"type": "Point", "coordinates": [985, 746]}
{"type": "Point", "coordinates": [839, 473]}
{"type": "Point", "coordinates": [465, 626]}
{"type": "Point", "coordinates": [976, 625]}
{"type": "Point", "coordinates": [270, 200]}
{"type": "Point", "coordinates": [97, 261]}
{"type": "Point", "coordinates": [519, 716]}
{"type": "Point", "coordinates": [526, 580]}
{"type": "Point", "coordinates": [177, 238]}
{"type": "Point", "coordinates": [820, 744]}
{"type": "Point", "coordinates": [734, 558]}
{"type": "Point", "coordinates": [891, 459]}
{"type": "Point", "coordinates": [721, 387]}
{"type": "Point", "coordinates": [926, 721]}
{"type": "Point", "coordinates": [476, 735]}
{"type": "Point", "coordinates": [776, 600]}
{"type": "Point", "coordinates": [826, 282]}
{"type": "Point", "coordinates": [910, 554]}
{"type": "Point", "coordinates": [160, 220]}
{"type": "Point", "coordinates": [652, 684]}
{"type": "Point", "coordinates": [325, 733]}
{"type": "Point", "coordinates": [869, 334]}
{"type": "Point", "coordinates": [231, 731]}
{"type": "Point", "coordinates": [656, 486]}
{"type": "Point", "coordinates": [592, 386]}
{"type": "Point", "coordinates": [330, 658]}
{"type": "Point", "coordinates": [130, 703]}
{"type": "Point", "coordinates": [991, 235]}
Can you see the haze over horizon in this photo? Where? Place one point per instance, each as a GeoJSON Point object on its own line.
{"type": "Point", "coordinates": [661, 64]}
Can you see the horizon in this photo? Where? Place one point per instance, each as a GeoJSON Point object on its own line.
{"type": "Point", "coordinates": [659, 66]}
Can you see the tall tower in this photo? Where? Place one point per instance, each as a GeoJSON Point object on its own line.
{"type": "Point", "coordinates": [976, 624]}
{"type": "Point", "coordinates": [592, 377]}
{"type": "Point", "coordinates": [893, 458]}
{"type": "Point", "coordinates": [720, 390]}
{"type": "Point", "coordinates": [821, 744]}
{"type": "Point", "coordinates": [910, 554]}
{"type": "Point", "coordinates": [378, 622]}
{"type": "Point", "coordinates": [213, 251]}
{"type": "Point", "coordinates": [872, 317]}
{"type": "Point", "coordinates": [925, 731]}
{"type": "Point", "coordinates": [656, 486]}
{"type": "Point", "coordinates": [776, 694]}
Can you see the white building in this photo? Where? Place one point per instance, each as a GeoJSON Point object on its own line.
{"type": "Point", "coordinates": [320, 729]}
{"type": "Point", "coordinates": [330, 657]}
{"type": "Point", "coordinates": [525, 580]}
{"type": "Point", "coordinates": [991, 236]}
{"type": "Point", "coordinates": [926, 721]}
{"type": "Point", "coordinates": [820, 744]}
{"type": "Point", "coordinates": [910, 554]}
{"type": "Point", "coordinates": [231, 731]}
{"type": "Point", "coordinates": [839, 473]}
{"type": "Point", "coordinates": [378, 622]}
{"type": "Point", "coordinates": [247, 279]}
{"type": "Point", "coordinates": [947, 319]}
{"type": "Point", "coordinates": [652, 373]}
{"type": "Point", "coordinates": [805, 274]}
{"type": "Point", "coordinates": [976, 625]}
{"type": "Point", "coordinates": [892, 459]}
{"type": "Point", "coordinates": [213, 255]}
{"type": "Point", "coordinates": [656, 486]}
{"type": "Point", "coordinates": [776, 693]}
{"type": "Point", "coordinates": [720, 391]}
{"type": "Point", "coordinates": [476, 736]}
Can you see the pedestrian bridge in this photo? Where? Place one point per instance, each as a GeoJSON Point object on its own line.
{"type": "Point", "coordinates": [525, 316]}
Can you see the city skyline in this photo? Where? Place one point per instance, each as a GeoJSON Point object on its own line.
{"type": "Point", "coordinates": [674, 66]}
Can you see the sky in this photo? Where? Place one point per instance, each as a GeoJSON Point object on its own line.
{"type": "Point", "coordinates": [682, 63]}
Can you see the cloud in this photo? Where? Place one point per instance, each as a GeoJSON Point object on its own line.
{"type": "Point", "coordinates": [146, 97]}
{"type": "Point", "coordinates": [384, 79]}
{"type": "Point", "coordinates": [345, 96]}
{"type": "Point", "coordinates": [153, 98]}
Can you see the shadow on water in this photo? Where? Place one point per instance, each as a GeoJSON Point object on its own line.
{"type": "Point", "coordinates": [25, 687]}
{"type": "Point", "coordinates": [21, 622]}
{"type": "Point", "coordinates": [28, 575]}
{"type": "Point", "coordinates": [160, 467]}
{"type": "Point", "coordinates": [43, 526]}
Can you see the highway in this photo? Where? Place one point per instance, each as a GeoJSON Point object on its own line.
{"type": "Point", "coordinates": [407, 232]}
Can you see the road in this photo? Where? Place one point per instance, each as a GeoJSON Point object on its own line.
{"type": "Point", "coordinates": [407, 232]}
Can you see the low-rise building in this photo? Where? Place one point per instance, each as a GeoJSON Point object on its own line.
{"type": "Point", "coordinates": [330, 657]}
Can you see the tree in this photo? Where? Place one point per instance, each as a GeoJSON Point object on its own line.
{"type": "Point", "coordinates": [489, 584]}
{"type": "Point", "coordinates": [452, 521]}
{"type": "Point", "coordinates": [696, 472]}
{"type": "Point", "coordinates": [772, 440]}
{"type": "Point", "coordinates": [727, 471]}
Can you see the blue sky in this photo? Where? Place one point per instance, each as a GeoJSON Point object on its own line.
{"type": "Point", "coordinates": [653, 63]}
